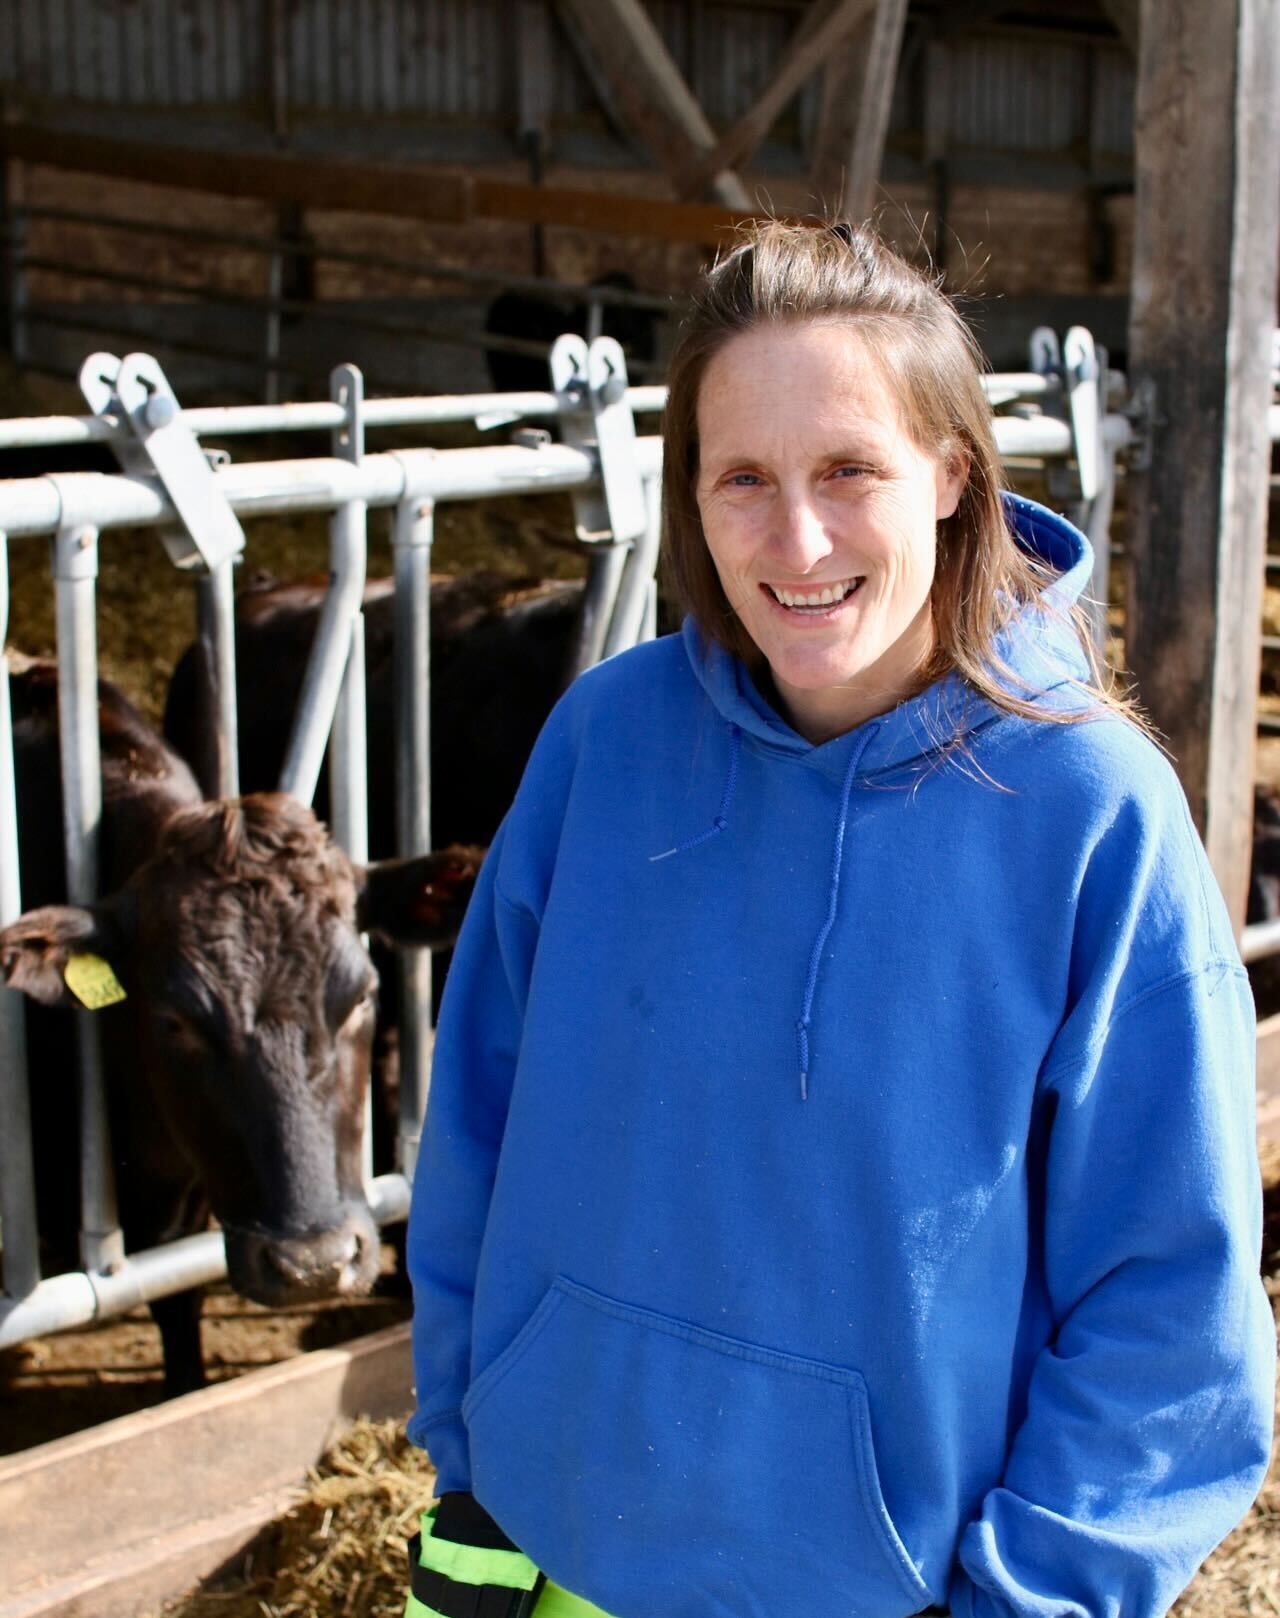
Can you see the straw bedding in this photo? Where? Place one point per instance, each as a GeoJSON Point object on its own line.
{"type": "Point", "coordinates": [340, 1552]}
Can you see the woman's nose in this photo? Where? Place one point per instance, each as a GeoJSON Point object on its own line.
{"type": "Point", "coordinates": [800, 539]}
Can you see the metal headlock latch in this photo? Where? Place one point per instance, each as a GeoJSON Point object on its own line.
{"type": "Point", "coordinates": [1079, 370]}
{"type": "Point", "coordinates": [593, 379]}
{"type": "Point", "coordinates": [590, 380]}
{"type": "Point", "coordinates": [151, 439]}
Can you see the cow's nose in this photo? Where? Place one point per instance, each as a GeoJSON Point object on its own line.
{"type": "Point", "coordinates": [342, 1260]}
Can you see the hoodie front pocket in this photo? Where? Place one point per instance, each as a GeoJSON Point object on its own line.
{"type": "Point", "coordinates": [667, 1471]}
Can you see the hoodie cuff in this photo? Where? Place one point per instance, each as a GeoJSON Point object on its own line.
{"type": "Point", "coordinates": [445, 1440]}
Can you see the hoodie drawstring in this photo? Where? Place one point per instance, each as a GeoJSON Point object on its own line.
{"type": "Point", "coordinates": [726, 799]}
{"type": "Point", "coordinates": [819, 943]}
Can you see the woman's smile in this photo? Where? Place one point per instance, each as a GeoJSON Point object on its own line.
{"type": "Point", "coordinates": [810, 601]}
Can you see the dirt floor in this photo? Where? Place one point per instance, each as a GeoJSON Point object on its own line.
{"type": "Point", "coordinates": [51, 1386]}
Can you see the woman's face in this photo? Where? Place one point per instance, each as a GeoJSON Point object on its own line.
{"type": "Point", "coordinates": [820, 513]}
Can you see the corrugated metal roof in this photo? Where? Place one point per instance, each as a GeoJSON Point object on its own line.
{"type": "Point", "coordinates": [453, 63]}
{"type": "Point", "coordinates": [1017, 94]}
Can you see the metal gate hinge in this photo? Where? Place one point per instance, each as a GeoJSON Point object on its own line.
{"type": "Point", "coordinates": [1141, 413]}
{"type": "Point", "coordinates": [151, 439]}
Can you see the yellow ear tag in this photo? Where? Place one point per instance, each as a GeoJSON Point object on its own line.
{"type": "Point", "coordinates": [92, 981]}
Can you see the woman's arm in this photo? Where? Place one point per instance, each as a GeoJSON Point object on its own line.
{"type": "Point", "coordinates": [473, 1067]}
{"type": "Point", "coordinates": [1148, 1423]}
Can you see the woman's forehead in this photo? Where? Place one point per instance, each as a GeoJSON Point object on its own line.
{"type": "Point", "coordinates": [811, 379]}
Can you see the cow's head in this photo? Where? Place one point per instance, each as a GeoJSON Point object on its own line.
{"type": "Point", "coordinates": [253, 1001]}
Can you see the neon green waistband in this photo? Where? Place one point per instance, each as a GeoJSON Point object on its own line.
{"type": "Point", "coordinates": [557, 1603]}
{"type": "Point", "coordinates": [554, 1602]}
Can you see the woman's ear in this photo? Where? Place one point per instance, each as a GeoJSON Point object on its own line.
{"type": "Point", "coordinates": [953, 474]}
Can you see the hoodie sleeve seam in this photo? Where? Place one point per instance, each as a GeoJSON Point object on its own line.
{"type": "Point", "coordinates": [1219, 966]}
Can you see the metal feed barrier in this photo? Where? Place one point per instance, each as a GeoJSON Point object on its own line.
{"type": "Point", "coordinates": [1058, 418]}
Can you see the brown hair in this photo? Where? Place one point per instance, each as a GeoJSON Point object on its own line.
{"type": "Point", "coordinates": [782, 271]}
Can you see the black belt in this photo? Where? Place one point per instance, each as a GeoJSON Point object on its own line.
{"type": "Point", "coordinates": [453, 1599]}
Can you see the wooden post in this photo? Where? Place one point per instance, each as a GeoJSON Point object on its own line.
{"type": "Point", "coordinates": [857, 97]}
{"type": "Point", "coordinates": [644, 90]}
{"type": "Point", "coordinates": [1204, 288]}
{"type": "Point", "coordinates": [823, 29]}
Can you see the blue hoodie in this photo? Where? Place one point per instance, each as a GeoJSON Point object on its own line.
{"type": "Point", "coordinates": [838, 1190]}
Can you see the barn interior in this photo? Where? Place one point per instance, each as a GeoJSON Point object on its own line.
{"type": "Point", "coordinates": [259, 191]}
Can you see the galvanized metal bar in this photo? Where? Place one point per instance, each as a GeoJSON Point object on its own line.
{"type": "Point", "coordinates": [606, 561]}
{"type": "Point", "coordinates": [637, 587]}
{"type": "Point", "coordinates": [75, 557]}
{"type": "Point", "coordinates": [326, 667]}
{"type": "Point", "coordinates": [224, 421]}
{"type": "Point", "coordinates": [348, 748]}
{"type": "Point", "coordinates": [17, 1168]}
{"type": "Point", "coordinates": [411, 544]}
{"type": "Point", "coordinates": [66, 1301]}
{"type": "Point", "coordinates": [38, 505]}
{"type": "Point", "coordinates": [216, 628]}
{"type": "Point", "coordinates": [348, 557]}
{"type": "Point", "coordinates": [35, 505]}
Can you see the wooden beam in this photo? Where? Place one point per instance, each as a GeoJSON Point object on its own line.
{"type": "Point", "coordinates": [1207, 219]}
{"type": "Point", "coordinates": [1269, 1078]}
{"type": "Point", "coordinates": [1124, 16]}
{"type": "Point", "coordinates": [857, 98]}
{"type": "Point", "coordinates": [823, 29]}
{"type": "Point", "coordinates": [141, 1497]}
{"type": "Point", "coordinates": [410, 191]}
{"type": "Point", "coordinates": [646, 92]}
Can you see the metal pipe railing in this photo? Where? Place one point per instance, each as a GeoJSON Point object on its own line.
{"type": "Point", "coordinates": [41, 505]}
{"type": "Point", "coordinates": [1040, 435]}
{"type": "Point", "coordinates": [228, 421]}
{"type": "Point", "coordinates": [348, 554]}
{"type": "Point", "coordinates": [216, 628]}
{"type": "Point", "coordinates": [75, 552]}
{"type": "Point", "coordinates": [411, 540]}
{"type": "Point", "coordinates": [66, 1301]}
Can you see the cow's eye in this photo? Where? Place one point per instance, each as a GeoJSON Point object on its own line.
{"type": "Point", "coordinates": [177, 1029]}
{"type": "Point", "coordinates": [364, 1006]}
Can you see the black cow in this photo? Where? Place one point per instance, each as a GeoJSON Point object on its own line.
{"type": "Point", "coordinates": [542, 318]}
{"type": "Point", "coordinates": [236, 1067]}
{"type": "Point", "coordinates": [501, 653]}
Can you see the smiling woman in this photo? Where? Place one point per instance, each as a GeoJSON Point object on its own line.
{"type": "Point", "coordinates": [838, 1190]}
{"type": "Point", "coordinates": [820, 513]}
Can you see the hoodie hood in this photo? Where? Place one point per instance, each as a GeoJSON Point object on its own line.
{"type": "Point", "coordinates": [1043, 662]}
{"type": "Point", "coordinates": [1040, 651]}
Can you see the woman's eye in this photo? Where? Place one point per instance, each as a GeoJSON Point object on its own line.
{"type": "Point", "coordinates": [742, 480]}
{"type": "Point", "coordinates": [850, 472]}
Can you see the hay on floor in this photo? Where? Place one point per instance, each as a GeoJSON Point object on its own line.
{"type": "Point", "coordinates": [340, 1552]}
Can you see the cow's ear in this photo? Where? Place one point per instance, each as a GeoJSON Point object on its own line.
{"type": "Point", "coordinates": [36, 950]}
{"type": "Point", "coordinates": [420, 900]}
